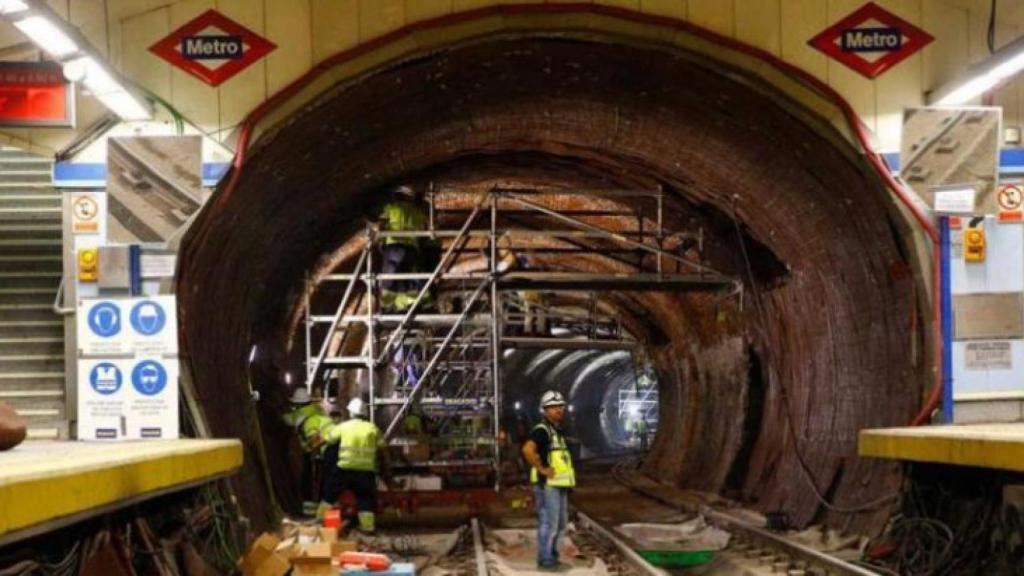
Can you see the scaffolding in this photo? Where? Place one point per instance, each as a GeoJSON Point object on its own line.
{"type": "Point", "coordinates": [448, 364]}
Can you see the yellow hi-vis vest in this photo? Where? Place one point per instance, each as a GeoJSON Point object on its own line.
{"type": "Point", "coordinates": [404, 216]}
{"type": "Point", "coordinates": [358, 442]}
{"type": "Point", "coordinates": [558, 458]}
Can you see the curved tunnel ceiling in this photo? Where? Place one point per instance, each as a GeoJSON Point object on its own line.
{"type": "Point", "coordinates": [835, 333]}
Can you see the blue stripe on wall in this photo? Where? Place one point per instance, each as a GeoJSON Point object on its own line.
{"type": "Point", "coordinates": [94, 174]}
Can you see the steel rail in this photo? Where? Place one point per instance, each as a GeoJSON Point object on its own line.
{"type": "Point", "coordinates": [632, 558]}
{"type": "Point", "coordinates": [478, 549]}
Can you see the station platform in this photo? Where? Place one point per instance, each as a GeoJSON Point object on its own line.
{"type": "Point", "coordinates": [45, 485]}
{"type": "Point", "coordinates": [996, 446]}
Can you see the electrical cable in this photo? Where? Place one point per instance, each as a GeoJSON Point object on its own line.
{"type": "Point", "coordinates": [790, 426]}
{"type": "Point", "coordinates": [991, 32]}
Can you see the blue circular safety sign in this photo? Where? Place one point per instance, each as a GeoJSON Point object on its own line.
{"type": "Point", "coordinates": [149, 377]}
{"type": "Point", "coordinates": [105, 319]}
{"type": "Point", "coordinates": [148, 318]}
{"type": "Point", "coordinates": [105, 378]}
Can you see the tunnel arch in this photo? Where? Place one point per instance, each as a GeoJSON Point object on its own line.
{"type": "Point", "coordinates": [835, 334]}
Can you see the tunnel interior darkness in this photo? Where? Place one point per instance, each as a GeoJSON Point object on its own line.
{"type": "Point", "coordinates": [760, 396]}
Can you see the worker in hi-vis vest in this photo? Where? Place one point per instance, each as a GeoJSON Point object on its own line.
{"type": "Point", "coordinates": [405, 213]}
{"type": "Point", "coordinates": [360, 443]}
{"type": "Point", "coordinates": [310, 423]}
{"type": "Point", "coordinates": [552, 475]}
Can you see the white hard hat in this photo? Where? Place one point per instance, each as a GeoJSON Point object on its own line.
{"type": "Point", "coordinates": [355, 407]}
{"type": "Point", "coordinates": [551, 398]}
{"type": "Point", "coordinates": [404, 190]}
{"type": "Point", "coordinates": [300, 396]}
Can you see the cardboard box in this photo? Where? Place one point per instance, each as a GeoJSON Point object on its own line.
{"type": "Point", "coordinates": [339, 546]}
{"type": "Point", "coordinates": [262, 558]}
{"type": "Point", "coordinates": [328, 535]}
{"type": "Point", "coordinates": [316, 550]}
{"type": "Point", "coordinates": [313, 566]}
{"type": "Point", "coordinates": [308, 534]}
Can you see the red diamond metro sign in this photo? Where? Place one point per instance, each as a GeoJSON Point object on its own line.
{"type": "Point", "coordinates": [212, 47]}
{"type": "Point", "coordinates": [871, 40]}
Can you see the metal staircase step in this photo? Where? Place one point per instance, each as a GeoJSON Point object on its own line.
{"type": "Point", "coordinates": [15, 152]}
{"type": "Point", "coordinates": [22, 163]}
{"type": "Point", "coordinates": [34, 328]}
{"type": "Point", "coordinates": [28, 295]}
{"type": "Point", "coordinates": [16, 263]}
{"type": "Point", "coordinates": [34, 345]}
{"type": "Point", "coordinates": [31, 363]}
{"type": "Point", "coordinates": [13, 245]}
{"type": "Point", "coordinates": [30, 279]}
{"type": "Point", "coordinates": [29, 201]}
{"type": "Point", "coordinates": [21, 397]}
{"type": "Point", "coordinates": [30, 214]}
{"type": "Point", "coordinates": [27, 177]}
{"type": "Point", "coordinates": [43, 230]}
{"type": "Point", "coordinates": [25, 312]}
{"type": "Point", "coordinates": [25, 185]}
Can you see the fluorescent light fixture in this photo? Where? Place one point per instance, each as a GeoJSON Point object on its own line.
{"type": "Point", "coordinates": [124, 105]}
{"type": "Point", "coordinates": [48, 36]}
{"type": "Point", "coordinates": [12, 6]}
{"type": "Point", "coordinates": [1007, 62]}
{"type": "Point", "coordinates": [106, 88]}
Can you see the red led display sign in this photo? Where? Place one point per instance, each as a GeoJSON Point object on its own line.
{"type": "Point", "coordinates": [35, 94]}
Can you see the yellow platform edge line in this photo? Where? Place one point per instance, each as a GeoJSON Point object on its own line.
{"type": "Point", "coordinates": [962, 451]}
{"type": "Point", "coordinates": [39, 500]}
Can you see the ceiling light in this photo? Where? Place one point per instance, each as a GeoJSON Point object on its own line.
{"type": "Point", "coordinates": [12, 6]}
{"type": "Point", "coordinates": [106, 88]}
{"type": "Point", "coordinates": [48, 36]}
{"type": "Point", "coordinates": [983, 77]}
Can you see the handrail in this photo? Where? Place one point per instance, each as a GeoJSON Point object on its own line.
{"type": "Point", "coordinates": [57, 308]}
{"type": "Point", "coordinates": [613, 235]}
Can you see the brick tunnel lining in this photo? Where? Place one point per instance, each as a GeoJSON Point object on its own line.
{"type": "Point", "coordinates": [837, 333]}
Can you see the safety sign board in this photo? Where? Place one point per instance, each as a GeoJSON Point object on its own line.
{"type": "Point", "coordinates": [871, 40]}
{"type": "Point", "coordinates": [153, 398]}
{"type": "Point", "coordinates": [1010, 199]}
{"type": "Point", "coordinates": [128, 326]}
{"type": "Point", "coordinates": [212, 47]}
{"type": "Point", "coordinates": [101, 400]}
{"type": "Point", "coordinates": [125, 398]}
{"type": "Point", "coordinates": [85, 214]}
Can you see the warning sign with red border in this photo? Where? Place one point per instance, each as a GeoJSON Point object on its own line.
{"type": "Point", "coordinates": [85, 212]}
{"type": "Point", "coordinates": [871, 40]}
{"type": "Point", "coordinates": [1010, 199]}
{"type": "Point", "coordinates": [212, 47]}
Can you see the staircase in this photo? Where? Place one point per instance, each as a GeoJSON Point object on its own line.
{"type": "Point", "coordinates": [31, 334]}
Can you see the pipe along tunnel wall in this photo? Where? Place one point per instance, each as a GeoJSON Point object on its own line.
{"type": "Point", "coordinates": [827, 339]}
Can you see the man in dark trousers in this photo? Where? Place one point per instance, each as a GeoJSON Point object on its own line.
{"type": "Point", "coordinates": [552, 476]}
{"type": "Point", "coordinates": [361, 448]}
